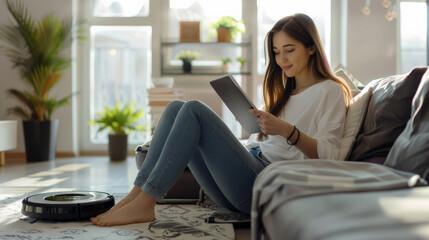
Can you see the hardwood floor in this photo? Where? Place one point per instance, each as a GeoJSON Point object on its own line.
{"type": "Point", "coordinates": [18, 178]}
{"type": "Point", "coordinates": [83, 173]}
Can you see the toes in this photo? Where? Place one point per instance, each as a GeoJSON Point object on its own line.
{"type": "Point", "coordinates": [94, 221]}
{"type": "Point", "coordinates": [103, 224]}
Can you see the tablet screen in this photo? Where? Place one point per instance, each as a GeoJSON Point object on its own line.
{"type": "Point", "coordinates": [237, 101]}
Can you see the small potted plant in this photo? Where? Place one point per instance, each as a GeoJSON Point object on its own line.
{"type": "Point", "coordinates": [228, 28]}
{"type": "Point", "coordinates": [187, 56]}
{"type": "Point", "coordinates": [242, 62]}
{"type": "Point", "coordinates": [225, 62]}
{"type": "Point", "coordinates": [120, 121]}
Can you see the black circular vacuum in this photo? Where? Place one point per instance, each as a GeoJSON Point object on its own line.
{"type": "Point", "coordinates": [63, 206]}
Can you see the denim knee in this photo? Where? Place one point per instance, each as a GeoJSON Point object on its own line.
{"type": "Point", "coordinates": [175, 104]}
{"type": "Point", "coordinates": [173, 108]}
{"type": "Point", "coordinates": [194, 105]}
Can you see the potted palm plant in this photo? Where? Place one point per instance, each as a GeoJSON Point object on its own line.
{"type": "Point", "coordinates": [120, 121]}
{"type": "Point", "coordinates": [228, 28]}
{"type": "Point", "coordinates": [33, 47]}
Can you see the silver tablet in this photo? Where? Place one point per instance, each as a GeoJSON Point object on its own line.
{"type": "Point", "coordinates": [237, 101]}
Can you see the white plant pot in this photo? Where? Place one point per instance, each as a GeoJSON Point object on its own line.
{"type": "Point", "coordinates": [224, 68]}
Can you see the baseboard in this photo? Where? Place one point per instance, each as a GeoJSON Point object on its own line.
{"type": "Point", "coordinates": [104, 153]}
{"type": "Point", "coordinates": [93, 154]}
{"type": "Point", "coordinates": [15, 155]}
{"type": "Point", "coordinates": [21, 155]}
{"type": "Point", "coordinates": [65, 154]}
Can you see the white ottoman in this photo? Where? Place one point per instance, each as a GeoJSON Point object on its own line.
{"type": "Point", "coordinates": [8, 132]}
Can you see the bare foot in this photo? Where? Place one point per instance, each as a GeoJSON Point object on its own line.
{"type": "Point", "coordinates": [135, 191]}
{"type": "Point", "coordinates": [141, 209]}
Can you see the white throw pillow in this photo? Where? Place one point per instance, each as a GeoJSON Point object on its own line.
{"type": "Point", "coordinates": [353, 88]}
{"type": "Point", "coordinates": [354, 119]}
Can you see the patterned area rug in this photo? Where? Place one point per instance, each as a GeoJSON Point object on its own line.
{"type": "Point", "coordinates": [173, 221]}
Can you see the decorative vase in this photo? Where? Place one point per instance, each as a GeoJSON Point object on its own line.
{"type": "Point", "coordinates": [223, 35]}
{"type": "Point", "coordinates": [40, 139]}
{"type": "Point", "coordinates": [118, 147]}
{"type": "Point", "coordinates": [187, 66]}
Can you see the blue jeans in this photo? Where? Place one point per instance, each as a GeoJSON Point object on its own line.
{"type": "Point", "coordinates": [191, 134]}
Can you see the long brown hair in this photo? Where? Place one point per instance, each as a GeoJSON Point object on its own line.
{"type": "Point", "coordinates": [277, 88]}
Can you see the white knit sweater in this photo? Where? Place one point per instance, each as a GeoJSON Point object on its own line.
{"type": "Point", "coordinates": [320, 112]}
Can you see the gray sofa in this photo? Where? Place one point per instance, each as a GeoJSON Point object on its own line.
{"type": "Point", "coordinates": [379, 192]}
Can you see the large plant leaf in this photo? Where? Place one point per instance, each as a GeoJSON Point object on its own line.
{"type": "Point", "coordinates": [25, 100]}
{"type": "Point", "coordinates": [18, 111]}
{"type": "Point", "coordinates": [33, 47]}
{"type": "Point", "coordinates": [119, 120]}
{"type": "Point", "coordinates": [52, 104]}
{"type": "Point", "coordinates": [13, 46]}
{"type": "Point", "coordinates": [53, 34]}
{"type": "Point", "coordinates": [24, 21]}
{"type": "Point", "coordinates": [38, 105]}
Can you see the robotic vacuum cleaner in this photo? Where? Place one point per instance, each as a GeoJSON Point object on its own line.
{"type": "Point", "coordinates": [71, 205]}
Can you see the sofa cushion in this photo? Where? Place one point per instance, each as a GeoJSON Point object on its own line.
{"type": "Point", "coordinates": [354, 119]}
{"type": "Point", "coordinates": [352, 78]}
{"type": "Point", "coordinates": [354, 90]}
{"type": "Point", "coordinates": [410, 152]}
{"type": "Point", "coordinates": [388, 112]}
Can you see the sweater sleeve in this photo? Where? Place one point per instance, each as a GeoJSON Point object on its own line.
{"type": "Point", "coordinates": [330, 126]}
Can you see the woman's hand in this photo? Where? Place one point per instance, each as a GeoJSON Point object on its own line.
{"type": "Point", "coordinates": [270, 124]}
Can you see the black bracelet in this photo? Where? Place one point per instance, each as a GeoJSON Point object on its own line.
{"type": "Point", "coordinates": [297, 138]}
{"type": "Point", "coordinates": [294, 128]}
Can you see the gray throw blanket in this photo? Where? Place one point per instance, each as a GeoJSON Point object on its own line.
{"type": "Point", "coordinates": [284, 181]}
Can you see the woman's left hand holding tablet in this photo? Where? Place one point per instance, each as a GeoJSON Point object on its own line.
{"type": "Point", "coordinates": [270, 124]}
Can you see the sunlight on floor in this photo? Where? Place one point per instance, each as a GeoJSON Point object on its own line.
{"type": "Point", "coordinates": [37, 179]}
{"type": "Point", "coordinates": [72, 167]}
{"type": "Point", "coordinates": [46, 173]}
{"type": "Point", "coordinates": [29, 181]}
{"type": "Point", "coordinates": [8, 212]}
{"type": "Point", "coordinates": [8, 192]}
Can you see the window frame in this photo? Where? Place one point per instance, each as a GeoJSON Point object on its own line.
{"type": "Point", "coordinates": [83, 53]}
{"type": "Point", "coordinates": [399, 32]}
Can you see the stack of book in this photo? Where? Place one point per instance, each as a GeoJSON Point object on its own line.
{"type": "Point", "coordinates": [158, 100]}
{"type": "Point", "coordinates": [160, 97]}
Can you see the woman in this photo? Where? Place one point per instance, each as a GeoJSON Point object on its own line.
{"type": "Point", "coordinates": [304, 118]}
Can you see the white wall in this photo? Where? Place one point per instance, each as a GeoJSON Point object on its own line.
{"type": "Point", "coordinates": [10, 78]}
{"type": "Point", "coordinates": [371, 46]}
{"type": "Point", "coordinates": [371, 42]}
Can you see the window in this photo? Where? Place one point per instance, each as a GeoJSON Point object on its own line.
{"type": "Point", "coordinates": [122, 8]}
{"type": "Point", "coordinates": [270, 11]}
{"type": "Point", "coordinates": [413, 26]}
{"type": "Point", "coordinates": [116, 64]}
{"type": "Point", "coordinates": [120, 71]}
